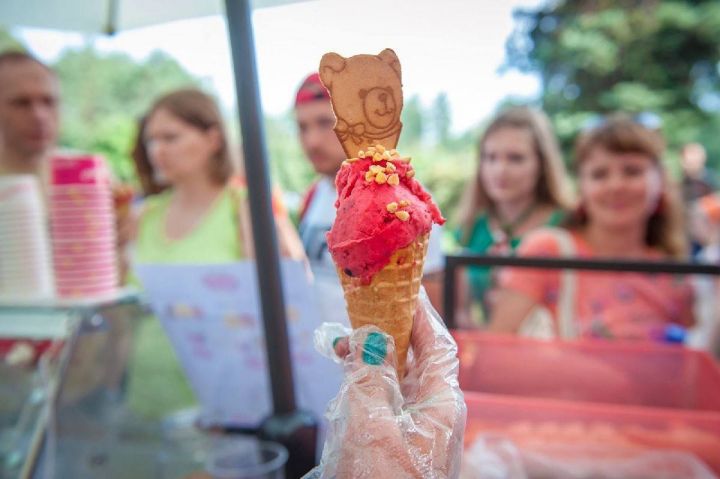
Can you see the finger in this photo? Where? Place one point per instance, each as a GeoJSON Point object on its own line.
{"type": "Point", "coordinates": [370, 351]}
{"type": "Point", "coordinates": [341, 345]}
{"type": "Point", "coordinates": [326, 337]}
{"type": "Point", "coordinates": [370, 375]}
{"type": "Point", "coordinates": [372, 403]}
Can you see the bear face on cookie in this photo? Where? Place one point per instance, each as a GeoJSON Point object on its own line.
{"type": "Point", "coordinates": [374, 79]}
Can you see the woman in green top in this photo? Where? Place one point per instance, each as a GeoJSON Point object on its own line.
{"type": "Point", "coordinates": [520, 184]}
{"type": "Point", "coordinates": [195, 212]}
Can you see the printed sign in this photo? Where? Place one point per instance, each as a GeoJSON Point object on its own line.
{"type": "Point", "coordinates": [211, 314]}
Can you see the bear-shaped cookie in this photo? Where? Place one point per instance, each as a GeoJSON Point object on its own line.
{"type": "Point", "coordinates": [366, 92]}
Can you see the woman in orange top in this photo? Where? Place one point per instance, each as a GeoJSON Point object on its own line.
{"type": "Point", "coordinates": [626, 211]}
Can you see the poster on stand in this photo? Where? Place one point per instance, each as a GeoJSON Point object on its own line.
{"type": "Point", "coordinates": [211, 313]}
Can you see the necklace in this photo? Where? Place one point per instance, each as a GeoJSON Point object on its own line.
{"type": "Point", "coordinates": [506, 229]}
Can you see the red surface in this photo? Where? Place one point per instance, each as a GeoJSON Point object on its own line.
{"type": "Point", "coordinates": [618, 398]}
{"type": "Point", "coordinates": [40, 346]}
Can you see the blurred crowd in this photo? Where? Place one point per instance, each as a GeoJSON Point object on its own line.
{"type": "Point", "coordinates": [616, 203]}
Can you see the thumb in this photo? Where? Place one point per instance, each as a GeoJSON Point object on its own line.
{"type": "Point", "coordinates": [371, 381]}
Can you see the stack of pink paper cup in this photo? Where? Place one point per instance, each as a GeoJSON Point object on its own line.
{"type": "Point", "coordinates": [25, 266]}
{"type": "Point", "coordinates": [82, 227]}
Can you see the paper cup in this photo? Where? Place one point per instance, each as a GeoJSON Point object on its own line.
{"type": "Point", "coordinates": [91, 269]}
{"type": "Point", "coordinates": [78, 170]}
{"type": "Point", "coordinates": [90, 254]}
{"type": "Point", "coordinates": [73, 210]}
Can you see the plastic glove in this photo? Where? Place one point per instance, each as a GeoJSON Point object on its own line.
{"type": "Point", "coordinates": [382, 427]}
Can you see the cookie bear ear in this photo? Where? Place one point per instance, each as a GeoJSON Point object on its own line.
{"type": "Point", "coordinates": [389, 57]}
{"type": "Point", "coordinates": [330, 64]}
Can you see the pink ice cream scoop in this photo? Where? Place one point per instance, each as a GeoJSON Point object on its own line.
{"type": "Point", "coordinates": [381, 208]}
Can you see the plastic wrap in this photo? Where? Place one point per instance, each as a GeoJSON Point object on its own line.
{"type": "Point", "coordinates": [495, 457]}
{"type": "Point", "coordinates": [382, 427]}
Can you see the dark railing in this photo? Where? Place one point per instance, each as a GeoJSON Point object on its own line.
{"type": "Point", "coordinates": [452, 262]}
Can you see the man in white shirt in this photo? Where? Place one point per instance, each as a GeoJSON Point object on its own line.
{"type": "Point", "coordinates": [315, 120]}
{"type": "Point", "coordinates": [29, 116]}
{"type": "Point", "coordinates": [30, 119]}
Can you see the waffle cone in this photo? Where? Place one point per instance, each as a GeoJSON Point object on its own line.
{"type": "Point", "coordinates": [389, 301]}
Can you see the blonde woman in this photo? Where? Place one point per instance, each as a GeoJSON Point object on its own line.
{"type": "Point", "coordinates": [627, 210]}
{"type": "Point", "coordinates": [520, 185]}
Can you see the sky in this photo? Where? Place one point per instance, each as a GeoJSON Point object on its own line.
{"type": "Point", "coordinates": [453, 46]}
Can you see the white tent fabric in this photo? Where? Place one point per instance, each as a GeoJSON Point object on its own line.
{"type": "Point", "coordinates": [109, 16]}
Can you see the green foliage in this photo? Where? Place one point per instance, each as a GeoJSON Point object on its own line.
{"type": "Point", "coordinates": [442, 160]}
{"type": "Point", "coordinates": [8, 42]}
{"type": "Point", "coordinates": [103, 96]}
{"type": "Point", "coordinates": [442, 118]}
{"type": "Point", "coordinates": [413, 120]}
{"type": "Point", "coordinates": [288, 165]}
{"type": "Point", "coordinates": [444, 172]}
{"type": "Point", "coordinates": [595, 57]}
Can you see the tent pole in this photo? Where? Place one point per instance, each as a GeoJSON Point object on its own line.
{"type": "Point", "coordinates": [259, 196]}
{"type": "Point", "coordinates": [296, 429]}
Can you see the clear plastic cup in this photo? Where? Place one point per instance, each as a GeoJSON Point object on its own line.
{"type": "Point", "coordinates": [248, 459]}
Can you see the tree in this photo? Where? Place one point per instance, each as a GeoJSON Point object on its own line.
{"type": "Point", "coordinates": [288, 164]}
{"type": "Point", "coordinates": [599, 56]}
{"type": "Point", "coordinates": [413, 121]}
{"type": "Point", "coordinates": [441, 118]}
{"type": "Point", "coordinates": [103, 96]}
{"type": "Point", "coordinates": [8, 42]}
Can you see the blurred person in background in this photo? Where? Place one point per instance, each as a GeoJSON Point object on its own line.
{"type": "Point", "coordinates": [705, 229]}
{"type": "Point", "coordinates": [195, 212]}
{"type": "Point", "coordinates": [315, 120]}
{"type": "Point", "coordinates": [628, 211]}
{"type": "Point", "coordinates": [196, 207]}
{"type": "Point", "coordinates": [29, 113]}
{"type": "Point", "coordinates": [520, 184]}
{"type": "Point", "coordinates": [29, 124]}
{"type": "Point", "coordinates": [704, 225]}
{"type": "Point", "coordinates": [697, 182]}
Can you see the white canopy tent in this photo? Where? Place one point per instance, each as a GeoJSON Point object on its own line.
{"type": "Point", "coordinates": [110, 16]}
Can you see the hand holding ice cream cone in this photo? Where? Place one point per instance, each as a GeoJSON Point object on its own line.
{"type": "Point", "coordinates": [382, 426]}
{"type": "Point", "coordinates": [384, 216]}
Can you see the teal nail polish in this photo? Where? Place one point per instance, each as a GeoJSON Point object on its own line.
{"type": "Point", "coordinates": [374, 349]}
{"type": "Point", "coordinates": [337, 340]}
